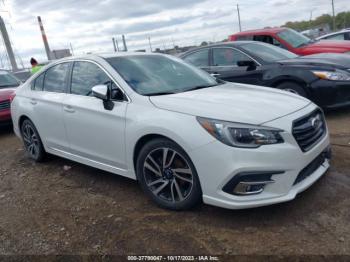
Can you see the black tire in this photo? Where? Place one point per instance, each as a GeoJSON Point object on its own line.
{"type": "Point", "coordinates": [293, 88]}
{"type": "Point", "coordinates": [32, 142]}
{"type": "Point", "coordinates": [178, 178]}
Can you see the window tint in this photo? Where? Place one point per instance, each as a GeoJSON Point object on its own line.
{"type": "Point", "coordinates": [85, 76]}
{"type": "Point", "coordinates": [199, 58]}
{"type": "Point", "coordinates": [244, 37]}
{"type": "Point", "coordinates": [268, 53]}
{"type": "Point", "coordinates": [39, 83]}
{"type": "Point", "coordinates": [228, 57]}
{"type": "Point", "coordinates": [336, 37]}
{"type": "Point", "coordinates": [153, 74]}
{"type": "Point", "coordinates": [55, 78]}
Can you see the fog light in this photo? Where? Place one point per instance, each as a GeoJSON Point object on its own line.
{"type": "Point", "coordinates": [251, 188]}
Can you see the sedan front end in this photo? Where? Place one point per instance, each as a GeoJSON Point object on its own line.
{"type": "Point", "coordinates": [238, 177]}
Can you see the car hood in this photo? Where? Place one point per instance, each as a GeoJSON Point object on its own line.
{"type": "Point", "coordinates": [233, 102]}
{"type": "Point", "coordinates": [327, 59]}
{"type": "Point", "coordinates": [6, 92]}
{"type": "Point", "coordinates": [337, 46]}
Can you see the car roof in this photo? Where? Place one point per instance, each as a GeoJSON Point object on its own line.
{"type": "Point", "coordinates": [334, 33]}
{"type": "Point", "coordinates": [95, 56]}
{"type": "Point", "coordinates": [264, 30]}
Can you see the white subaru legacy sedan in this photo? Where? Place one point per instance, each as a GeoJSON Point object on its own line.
{"type": "Point", "coordinates": [185, 136]}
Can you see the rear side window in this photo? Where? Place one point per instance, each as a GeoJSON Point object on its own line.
{"type": "Point", "coordinates": [199, 58]}
{"type": "Point", "coordinates": [38, 83]}
{"type": "Point", "coordinates": [55, 78]}
{"type": "Point", "coordinates": [244, 38]}
{"type": "Point", "coordinates": [228, 57]}
{"type": "Point", "coordinates": [85, 76]}
{"type": "Point", "coordinates": [336, 37]}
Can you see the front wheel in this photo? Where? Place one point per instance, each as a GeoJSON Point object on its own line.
{"type": "Point", "coordinates": [32, 142]}
{"type": "Point", "coordinates": [293, 88]}
{"type": "Point", "coordinates": [168, 176]}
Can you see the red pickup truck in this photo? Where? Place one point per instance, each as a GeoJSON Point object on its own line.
{"type": "Point", "coordinates": [293, 41]}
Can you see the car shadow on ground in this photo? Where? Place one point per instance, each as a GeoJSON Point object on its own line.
{"type": "Point", "coordinates": [6, 129]}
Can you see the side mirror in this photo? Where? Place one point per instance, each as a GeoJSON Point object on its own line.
{"type": "Point", "coordinates": [249, 64]}
{"type": "Point", "coordinates": [100, 91]}
{"type": "Point", "coordinates": [103, 92]}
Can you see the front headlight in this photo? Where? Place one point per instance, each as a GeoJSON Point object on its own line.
{"type": "Point", "coordinates": [338, 75]}
{"type": "Point", "coordinates": [241, 135]}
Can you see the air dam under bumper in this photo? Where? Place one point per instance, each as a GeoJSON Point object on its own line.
{"type": "Point", "coordinates": [217, 164]}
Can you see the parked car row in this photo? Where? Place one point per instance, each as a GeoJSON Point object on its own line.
{"type": "Point", "coordinates": [323, 78]}
{"type": "Point", "coordinates": [183, 134]}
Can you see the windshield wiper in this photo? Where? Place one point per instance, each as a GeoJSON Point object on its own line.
{"type": "Point", "coordinates": [200, 87]}
{"type": "Point", "coordinates": [160, 93]}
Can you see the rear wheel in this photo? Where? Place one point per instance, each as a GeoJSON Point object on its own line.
{"type": "Point", "coordinates": [293, 88]}
{"type": "Point", "coordinates": [32, 142]}
{"type": "Point", "coordinates": [168, 176]}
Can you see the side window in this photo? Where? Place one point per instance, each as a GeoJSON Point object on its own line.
{"type": "Point", "coordinates": [264, 38]}
{"type": "Point", "coordinates": [199, 58]}
{"type": "Point", "coordinates": [55, 78]}
{"type": "Point", "coordinates": [85, 76]}
{"type": "Point", "coordinates": [336, 37]}
{"type": "Point", "coordinates": [347, 36]}
{"type": "Point", "coordinates": [228, 57]}
{"type": "Point", "coordinates": [244, 38]}
{"type": "Point", "coordinates": [38, 83]}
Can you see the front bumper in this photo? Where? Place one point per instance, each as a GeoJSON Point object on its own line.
{"type": "Point", "coordinates": [5, 116]}
{"type": "Point", "coordinates": [331, 94]}
{"type": "Point", "coordinates": [217, 164]}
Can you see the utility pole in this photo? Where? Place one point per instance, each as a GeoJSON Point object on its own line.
{"type": "Point", "coordinates": [116, 42]}
{"type": "Point", "coordinates": [239, 19]}
{"type": "Point", "coordinates": [7, 43]}
{"type": "Point", "coordinates": [114, 46]}
{"type": "Point", "coordinates": [71, 48]}
{"type": "Point", "coordinates": [124, 43]}
{"type": "Point", "coordinates": [333, 15]}
{"type": "Point", "coordinates": [150, 45]}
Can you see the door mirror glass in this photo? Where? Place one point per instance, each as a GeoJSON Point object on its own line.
{"type": "Point", "coordinates": [249, 64]}
{"type": "Point", "coordinates": [100, 91]}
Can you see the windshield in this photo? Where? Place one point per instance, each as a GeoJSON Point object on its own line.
{"type": "Point", "coordinates": [8, 80]}
{"type": "Point", "coordinates": [268, 53]}
{"type": "Point", "coordinates": [294, 38]}
{"type": "Point", "coordinates": [159, 74]}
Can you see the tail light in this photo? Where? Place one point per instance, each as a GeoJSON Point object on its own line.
{"type": "Point", "coordinates": [12, 96]}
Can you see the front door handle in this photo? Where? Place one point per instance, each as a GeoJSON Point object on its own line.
{"type": "Point", "coordinates": [33, 101]}
{"type": "Point", "coordinates": [69, 109]}
{"type": "Point", "coordinates": [215, 74]}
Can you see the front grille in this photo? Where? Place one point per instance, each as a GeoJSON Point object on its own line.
{"type": "Point", "coordinates": [311, 168]}
{"type": "Point", "coordinates": [309, 130]}
{"type": "Point", "coordinates": [4, 105]}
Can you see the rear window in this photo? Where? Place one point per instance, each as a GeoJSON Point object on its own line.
{"type": "Point", "coordinates": [8, 80]}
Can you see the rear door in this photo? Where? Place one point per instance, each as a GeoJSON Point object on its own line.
{"type": "Point", "coordinates": [94, 133]}
{"type": "Point", "coordinates": [48, 92]}
{"type": "Point", "coordinates": [225, 66]}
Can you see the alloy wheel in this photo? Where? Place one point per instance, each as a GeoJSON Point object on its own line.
{"type": "Point", "coordinates": [31, 141]}
{"type": "Point", "coordinates": [168, 175]}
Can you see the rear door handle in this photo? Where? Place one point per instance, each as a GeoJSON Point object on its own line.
{"type": "Point", "coordinates": [215, 74]}
{"type": "Point", "coordinates": [69, 109]}
{"type": "Point", "coordinates": [33, 101]}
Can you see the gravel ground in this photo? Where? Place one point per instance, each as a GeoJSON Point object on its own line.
{"type": "Point", "coordinates": [61, 207]}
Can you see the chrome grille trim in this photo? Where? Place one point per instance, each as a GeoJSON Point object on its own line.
{"type": "Point", "coordinates": [309, 130]}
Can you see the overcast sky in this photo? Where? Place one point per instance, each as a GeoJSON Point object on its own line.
{"type": "Point", "coordinates": [89, 25]}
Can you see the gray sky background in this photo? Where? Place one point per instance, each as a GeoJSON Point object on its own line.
{"type": "Point", "coordinates": [90, 24]}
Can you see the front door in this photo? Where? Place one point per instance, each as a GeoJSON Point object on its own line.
{"type": "Point", "coordinates": [225, 66]}
{"type": "Point", "coordinates": [94, 133]}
